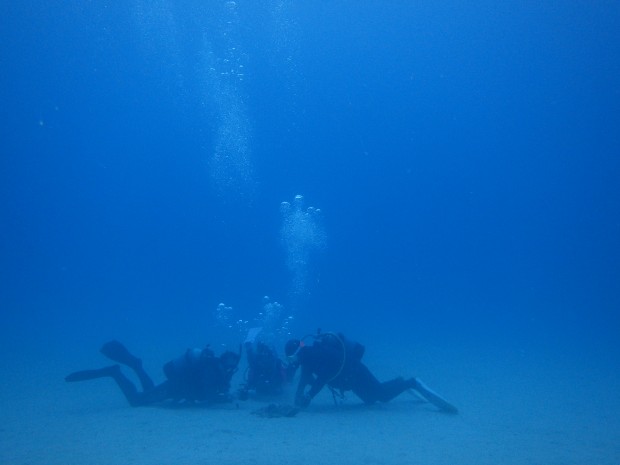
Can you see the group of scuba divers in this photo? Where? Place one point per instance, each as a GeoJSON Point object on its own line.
{"type": "Point", "coordinates": [200, 377]}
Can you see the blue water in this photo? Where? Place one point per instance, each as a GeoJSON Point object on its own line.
{"type": "Point", "coordinates": [464, 158]}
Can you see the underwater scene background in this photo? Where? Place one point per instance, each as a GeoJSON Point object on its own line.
{"type": "Point", "coordinates": [432, 178]}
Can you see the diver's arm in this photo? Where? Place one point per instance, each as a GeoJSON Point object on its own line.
{"type": "Point", "coordinates": [316, 387]}
{"type": "Point", "coordinates": [307, 378]}
{"type": "Point", "coordinates": [302, 398]}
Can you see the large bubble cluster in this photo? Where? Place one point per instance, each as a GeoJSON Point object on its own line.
{"type": "Point", "coordinates": [275, 323]}
{"type": "Point", "coordinates": [303, 237]}
{"type": "Point", "coordinates": [272, 318]}
{"type": "Point", "coordinates": [229, 328]}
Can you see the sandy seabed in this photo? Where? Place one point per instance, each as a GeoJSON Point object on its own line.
{"type": "Point", "coordinates": [516, 408]}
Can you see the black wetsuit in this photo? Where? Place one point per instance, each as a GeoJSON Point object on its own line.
{"type": "Point", "coordinates": [196, 376]}
{"type": "Point", "coordinates": [266, 374]}
{"type": "Point", "coordinates": [324, 363]}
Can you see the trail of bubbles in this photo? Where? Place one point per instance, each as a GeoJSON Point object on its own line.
{"type": "Point", "coordinates": [231, 328]}
{"type": "Point", "coordinates": [284, 48]}
{"type": "Point", "coordinates": [230, 155]}
{"type": "Point", "coordinates": [303, 237]}
{"type": "Point", "coordinates": [275, 323]}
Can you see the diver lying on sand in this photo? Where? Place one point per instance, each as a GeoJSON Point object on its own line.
{"type": "Point", "coordinates": [334, 361]}
{"type": "Point", "coordinates": [196, 376]}
{"type": "Point", "coordinates": [267, 374]}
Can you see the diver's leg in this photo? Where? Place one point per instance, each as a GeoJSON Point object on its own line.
{"type": "Point", "coordinates": [145, 379]}
{"type": "Point", "coordinates": [116, 351]}
{"type": "Point", "coordinates": [132, 395]}
{"type": "Point", "coordinates": [127, 387]}
{"type": "Point", "coordinates": [157, 394]}
{"type": "Point", "coordinates": [393, 388]}
{"type": "Point", "coordinates": [365, 385]}
{"type": "Point", "coordinates": [369, 389]}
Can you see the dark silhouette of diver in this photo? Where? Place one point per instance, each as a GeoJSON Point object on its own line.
{"type": "Point", "coordinates": [334, 361]}
{"type": "Point", "coordinates": [196, 376]}
{"type": "Point", "coordinates": [266, 374]}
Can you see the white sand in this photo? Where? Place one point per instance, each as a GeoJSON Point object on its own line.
{"type": "Point", "coordinates": [515, 409]}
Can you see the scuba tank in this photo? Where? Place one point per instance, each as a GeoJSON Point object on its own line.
{"type": "Point", "coordinates": [182, 365]}
{"type": "Point", "coordinates": [352, 351]}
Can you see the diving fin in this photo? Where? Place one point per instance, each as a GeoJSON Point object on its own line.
{"type": "Point", "coordinates": [430, 396]}
{"type": "Point", "coordinates": [116, 351]}
{"type": "Point", "coordinates": [85, 375]}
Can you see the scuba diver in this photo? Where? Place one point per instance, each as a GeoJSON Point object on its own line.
{"type": "Point", "coordinates": [335, 361]}
{"type": "Point", "coordinates": [266, 374]}
{"type": "Point", "coordinates": [196, 376]}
